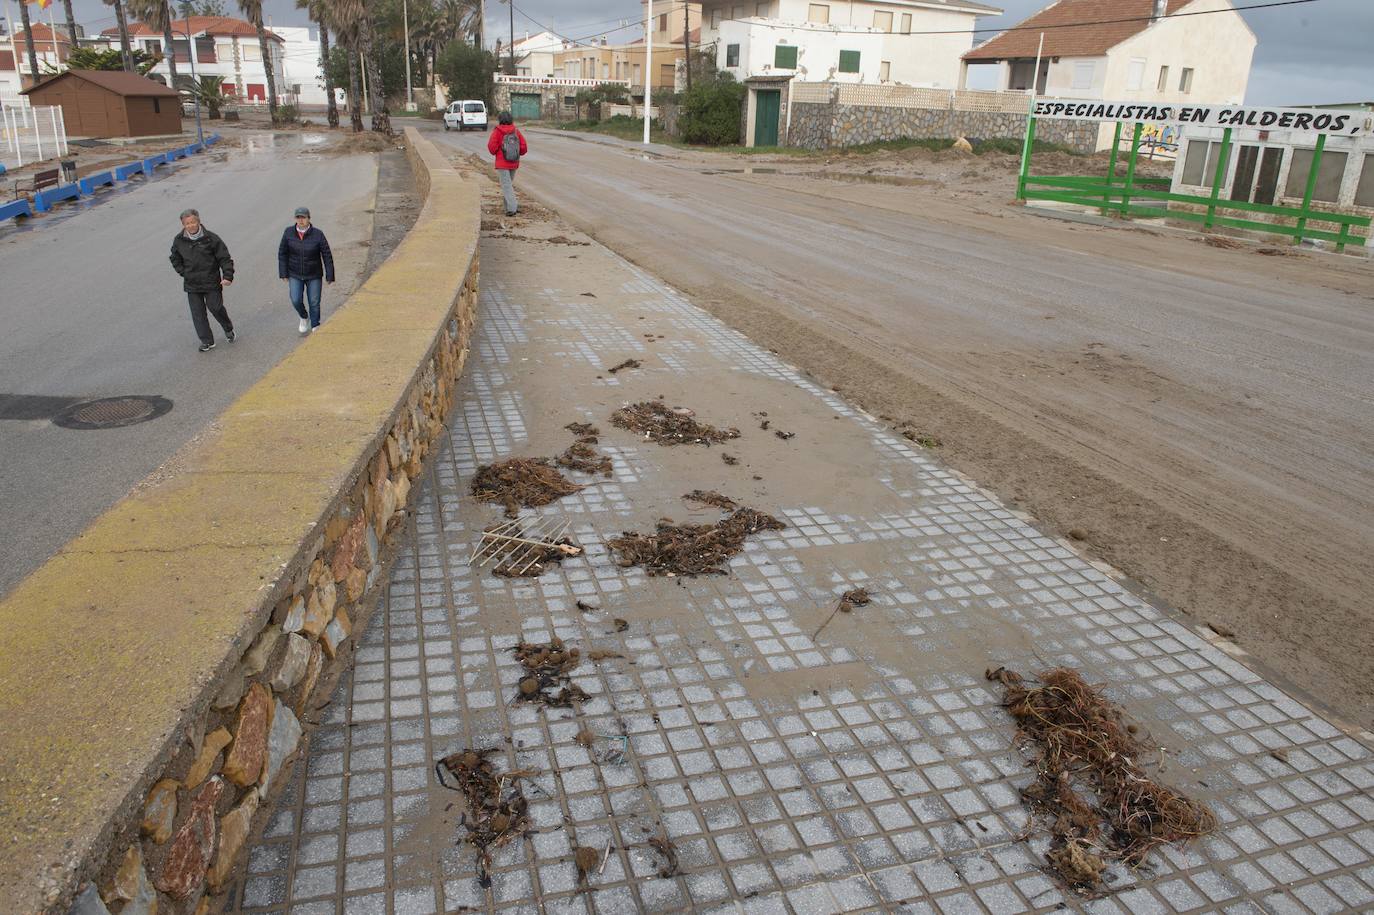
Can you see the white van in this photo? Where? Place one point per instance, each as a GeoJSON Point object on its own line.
{"type": "Point", "coordinates": [466, 113]}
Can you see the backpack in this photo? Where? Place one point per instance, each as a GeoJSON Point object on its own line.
{"type": "Point", "coordinates": [510, 147]}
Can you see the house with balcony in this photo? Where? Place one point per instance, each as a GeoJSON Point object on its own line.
{"type": "Point", "coordinates": [1151, 52]}
{"type": "Point", "coordinates": [221, 46]}
{"type": "Point", "coordinates": [50, 46]}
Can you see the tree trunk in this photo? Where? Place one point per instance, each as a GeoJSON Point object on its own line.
{"type": "Point", "coordinates": [381, 117]}
{"type": "Point", "coordinates": [28, 41]}
{"type": "Point", "coordinates": [269, 67]}
{"type": "Point", "coordinates": [124, 50]}
{"type": "Point", "coordinates": [71, 21]}
{"type": "Point", "coordinates": [328, 81]}
{"type": "Point", "coordinates": [167, 42]}
{"type": "Point", "coordinates": [355, 92]}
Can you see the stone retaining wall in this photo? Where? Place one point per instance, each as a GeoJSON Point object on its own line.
{"type": "Point", "coordinates": [817, 125]}
{"type": "Point", "coordinates": [222, 596]}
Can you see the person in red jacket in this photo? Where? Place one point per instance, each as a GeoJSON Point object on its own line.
{"type": "Point", "coordinates": [508, 146]}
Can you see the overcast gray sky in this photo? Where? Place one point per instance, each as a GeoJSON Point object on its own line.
{"type": "Point", "coordinates": [1311, 54]}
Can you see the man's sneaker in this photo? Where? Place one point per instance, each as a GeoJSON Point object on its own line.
{"type": "Point", "coordinates": [305, 326]}
{"type": "Point", "coordinates": [206, 347]}
{"type": "Point", "coordinates": [229, 335]}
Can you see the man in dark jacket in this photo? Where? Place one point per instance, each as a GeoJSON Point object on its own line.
{"type": "Point", "coordinates": [202, 261]}
{"type": "Point", "coordinates": [506, 164]}
{"type": "Point", "coordinates": [303, 260]}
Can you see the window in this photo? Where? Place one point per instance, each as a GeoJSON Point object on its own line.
{"type": "Point", "coordinates": [818, 12]}
{"type": "Point", "coordinates": [636, 79]}
{"type": "Point", "coordinates": [1200, 165]}
{"type": "Point", "coordinates": [605, 71]}
{"type": "Point", "coordinates": [153, 46]}
{"type": "Point", "coordinates": [737, 11]}
{"type": "Point", "coordinates": [1135, 75]}
{"type": "Point", "coordinates": [249, 51]}
{"type": "Point", "coordinates": [849, 61]}
{"type": "Point", "coordinates": [1185, 82]}
{"type": "Point", "coordinates": [1364, 190]}
{"type": "Point", "coordinates": [1163, 79]}
{"type": "Point", "coordinates": [715, 19]}
{"type": "Point", "coordinates": [906, 23]}
{"type": "Point", "coordinates": [761, 10]}
{"type": "Point", "coordinates": [663, 22]}
{"type": "Point", "coordinates": [1083, 74]}
{"type": "Point", "coordinates": [1329, 175]}
{"type": "Point", "coordinates": [785, 57]}
{"type": "Point", "coordinates": [732, 55]}
{"type": "Point", "coordinates": [882, 20]}
{"type": "Point", "coordinates": [885, 71]}
{"type": "Point", "coordinates": [667, 74]}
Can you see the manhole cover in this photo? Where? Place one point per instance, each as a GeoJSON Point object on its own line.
{"type": "Point", "coordinates": [112, 412]}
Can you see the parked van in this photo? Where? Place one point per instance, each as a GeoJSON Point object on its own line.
{"type": "Point", "coordinates": [465, 114]}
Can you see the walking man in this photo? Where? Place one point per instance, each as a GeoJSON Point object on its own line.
{"type": "Point", "coordinates": [303, 260]}
{"type": "Point", "coordinates": [507, 144]}
{"type": "Point", "coordinates": [202, 261]}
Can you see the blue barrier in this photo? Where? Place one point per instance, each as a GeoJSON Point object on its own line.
{"type": "Point", "coordinates": [190, 150]}
{"type": "Point", "coordinates": [173, 154]}
{"type": "Point", "coordinates": [212, 139]}
{"type": "Point", "coordinates": [15, 209]}
{"type": "Point", "coordinates": [43, 200]}
{"type": "Point", "coordinates": [153, 162]}
{"type": "Point", "coordinates": [89, 183]}
{"type": "Point", "coordinates": [125, 172]}
{"type": "Point", "coordinates": [2, 168]}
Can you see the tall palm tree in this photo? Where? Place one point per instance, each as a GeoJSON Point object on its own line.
{"type": "Point", "coordinates": [71, 21]}
{"type": "Point", "coordinates": [320, 16]}
{"type": "Point", "coordinates": [28, 41]}
{"type": "Point", "coordinates": [125, 50]}
{"type": "Point", "coordinates": [157, 14]}
{"type": "Point", "coordinates": [252, 11]}
{"type": "Point", "coordinates": [340, 13]}
{"type": "Point", "coordinates": [352, 16]}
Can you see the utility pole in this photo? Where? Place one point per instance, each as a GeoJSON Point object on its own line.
{"type": "Point", "coordinates": [405, 25]}
{"type": "Point", "coordinates": [482, 28]}
{"type": "Point", "coordinates": [648, 63]}
{"type": "Point", "coordinates": [687, 41]}
{"type": "Point", "coordinates": [195, 80]}
{"type": "Point", "coordinates": [512, 36]}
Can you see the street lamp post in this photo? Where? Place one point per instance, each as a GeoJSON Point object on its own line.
{"type": "Point", "coordinates": [195, 80]}
{"type": "Point", "coordinates": [405, 27]}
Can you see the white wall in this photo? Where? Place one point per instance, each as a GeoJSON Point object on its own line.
{"type": "Point", "coordinates": [818, 52]}
{"type": "Point", "coordinates": [302, 64]}
{"type": "Point", "coordinates": [1219, 49]}
{"type": "Point", "coordinates": [248, 71]}
{"type": "Point", "coordinates": [1060, 81]}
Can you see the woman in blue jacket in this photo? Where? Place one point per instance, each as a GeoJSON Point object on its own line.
{"type": "Point", "coordinates": [303, 261]}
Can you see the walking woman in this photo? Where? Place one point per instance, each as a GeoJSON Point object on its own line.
{"type": "Point", "coordinates": [304, 260]}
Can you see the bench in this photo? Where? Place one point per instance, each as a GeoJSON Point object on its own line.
{"type": "Point", "coordinates": [89, 183]}
{"type": "Point", "coordinates": [15, 209]}
{"type": "Point", "coordinates": [43, 200]}
{"type": "Point", "coordinates": [125, 172]}
{"type": "Point", "coordinates": [51, 177]}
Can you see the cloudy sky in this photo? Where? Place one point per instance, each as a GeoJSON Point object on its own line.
{"type": "Point", "coordinates": [1308, 54]}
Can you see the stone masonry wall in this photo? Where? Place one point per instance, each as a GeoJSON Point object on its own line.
{"type": "Point", "coordinates": [825, 125]}
{"type": "Point", "coordinates": [196, 818]}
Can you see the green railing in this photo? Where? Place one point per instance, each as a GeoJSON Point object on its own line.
{"type": "Point", "coordinates": [1128, 195]}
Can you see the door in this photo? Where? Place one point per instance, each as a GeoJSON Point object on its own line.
{"type": "Point", "coordinates": [525, 105]}
{"type": "Point", "coordinates": [766, 107]}
{"type": "Point", "coordinates": [1246, 160]}
{"type": "Point", "coordinates": [1268, 183]}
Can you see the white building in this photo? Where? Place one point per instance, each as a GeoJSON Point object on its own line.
{"type": "Point", "coordinates": [1154, 57]}
{"type": "Point", "coordinates": [224, 47]}
{"type": "Point", "coordinates": [907, 42]}
{"type": "Point", "coordinates": [534, 54]}
{"type": "Point", "coordinates": [50, 48]}
{"type": "Point", "coordinates": [301, 64]}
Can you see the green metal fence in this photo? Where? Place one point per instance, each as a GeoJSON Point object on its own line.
{"type": "Point", "coordinates": [1132, 196]}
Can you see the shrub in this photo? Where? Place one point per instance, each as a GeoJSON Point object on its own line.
{"type": "Point", "coordinates": [288, 114]}
{"type": "Point", "coordinates": [467, 71]}
{"type": "Point", "coordinates": [711, 111]}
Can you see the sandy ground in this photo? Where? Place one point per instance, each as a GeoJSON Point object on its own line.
{"type": "Point", "coordinates": [1200, 417]}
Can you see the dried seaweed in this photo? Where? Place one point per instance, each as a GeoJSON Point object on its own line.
{"type": "Point", "coordinates": [548, 673]}
{"type": "Point", "coordinates": [692, 549]}
{"type": "Point", "coordinates": [665, 847]}
{"type": "Point", "coordinates": [729, 459]}
{"type": "Point", "coordinates": [627, 364]}
{"type": "Point", "coordinates": [497, 811]}
{"type": "Point", "coordinates": [527, 482]}
{"type": "Point", "coordinates": [582, 454]}
{"type": "Point", "coordinates": [855, 597]}
{"type": "Point", "coordinates": [668, 426]}
{"type": "Point", "coordinates": [712, 498]}
{"type": "Point", "coordinates": [1090, 787]}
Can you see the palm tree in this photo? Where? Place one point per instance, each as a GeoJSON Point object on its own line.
{"type": "Point", "coordinates": [71, 21]}
{"type": "Point", "coordinates": [252, 11]}
{"type": "Point", "coordinates": [157, 14]}
{"type": "Point", "coordinates": [351, 16]}
{"type": "Point", "coordinates": [320, 16]}
{"type": "Point", "coordinates": [338, 13]}
{"type": "Point", "coordinates": [28, 41]}
{"type": "Point", "coordinates": [125, 50]}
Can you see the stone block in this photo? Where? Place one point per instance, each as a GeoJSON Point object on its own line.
{"type": "Point", "coordinates": [188, 857]}
{"type": "Point", "coordinates": [160, 811]}
{"type": "Point", "coordinates": [295, 616]}
{"type": "Point", "coordinates": [125, 884]}
{"type": "Point", "coordinates": [355, 585]}
{"type": "Point", "coordinates": [255, 661]}
{"type": "Point", "coordinates": [244, 765]}
{"type": "Point", "coordinates": [231, 692]}
{"type": "Point", "coordinates": [88, 903]}
{"type": "Point", "coordinates": [233, 831]}
{"type": "Point", "coordinates": [336, 633]}
{"type": "Point", "coordinates": [204, 762]}
{"type": "Point", "coordinates": [312, 676]}
{"type": "Point", "coordinates": [281, 744]}
{"type": "Point", "coordinates": [292, 663]}
{"type": "Point", "coordinates": [346, 553]}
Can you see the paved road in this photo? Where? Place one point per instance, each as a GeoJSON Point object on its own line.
{"type": "Point", "coordinates": [91, 308]}
{"type": "Point", "coordinates": [1203, 418]}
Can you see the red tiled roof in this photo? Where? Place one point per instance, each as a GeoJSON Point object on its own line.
{"type": "Point", "coordinates": [41, 33]}
{"type": "Point", "coordinates": [197, 25]}
{"type": "Point", "coordinates": [1079, 41]}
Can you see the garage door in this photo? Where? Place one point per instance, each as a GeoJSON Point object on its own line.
{"type": "Point", "coordinates": [525, 105]}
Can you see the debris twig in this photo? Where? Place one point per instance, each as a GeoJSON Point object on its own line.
{"type": "Point", "coordinates": [548, 673]}
{"type": "Point", "coordinates": [497, 811]}
{"type": "Point", "coordinates": [693, 549]}
{"type": "Point", "coordinates": [668, 426]}
{"type": "Point", "coordinates": [521, 482]}
{"type": "Point", "coordinates": [627, 364]}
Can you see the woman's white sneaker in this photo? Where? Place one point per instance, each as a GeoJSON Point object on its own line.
{"type": "Point", "coordinates": [305, 326]}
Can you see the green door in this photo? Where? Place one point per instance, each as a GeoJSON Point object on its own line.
{"type": "Point", "coordinates": [766, 108]}
{"type": "Point", "coordinates": [525, 105]}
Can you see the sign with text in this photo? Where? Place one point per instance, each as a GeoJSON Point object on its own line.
{"type": "Point", "coordinates": [1312, 120]}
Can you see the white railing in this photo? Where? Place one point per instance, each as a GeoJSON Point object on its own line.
{"type": "Point", "coordinates": [542, 81]}
{"type": "Point", "coordinates": [31, 134]}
